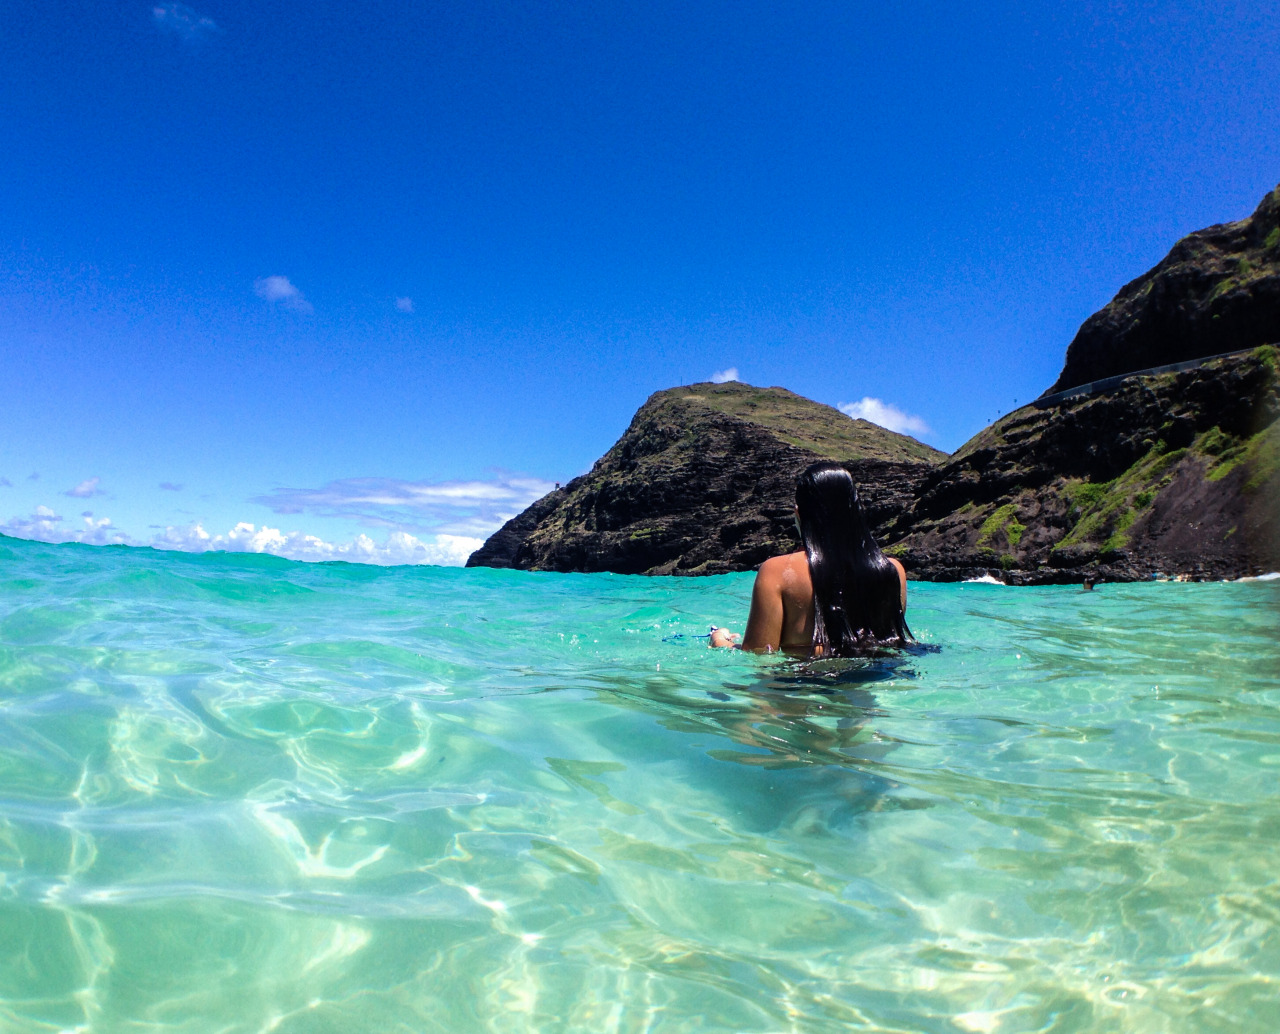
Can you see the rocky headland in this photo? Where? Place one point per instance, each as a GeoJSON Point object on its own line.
{"type": "Point", "coordinates": [1217, 291]}
{"type": "Point", "coordinates": [703, 482]}
{"type": "Point", "coordinates": [1153, 454]}
{"type": "Point", "coordinates": [1171, 473]}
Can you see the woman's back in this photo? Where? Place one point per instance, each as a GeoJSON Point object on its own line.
{"type": "Point", "coordinates": [782, 605]}
{"type": "Point", "coordinates": [840, 595]}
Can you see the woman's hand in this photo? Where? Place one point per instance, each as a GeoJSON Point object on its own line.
{"type": "Point", "coordinates": [722, 637]}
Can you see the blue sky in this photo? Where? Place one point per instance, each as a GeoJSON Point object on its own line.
{"type": "Point", "coordinates": [363, 276]}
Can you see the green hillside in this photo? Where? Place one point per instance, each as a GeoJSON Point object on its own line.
{"type": "Point", "coordinates": [804, 423]}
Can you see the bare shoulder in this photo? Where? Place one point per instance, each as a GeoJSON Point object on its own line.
{"type": "Point", "coordinates": [778, 568]}
{"type": "Point", "coordinates": [778, 610]}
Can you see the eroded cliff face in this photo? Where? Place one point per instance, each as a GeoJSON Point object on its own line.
{"type": "Point", "coordinates": [1173, 474]}
{"type": "Point", "coordinates": [703, 482]}
{"type": "Point", "coordinates": [1170, 474]}
{"type": "Point", "coordinates": [1218, 290]}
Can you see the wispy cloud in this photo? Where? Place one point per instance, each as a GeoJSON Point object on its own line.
{"type": "Point", "coordinates": [886, 415]}
{"type": "Point", "coordinates": [398, 548]}
{"type": "Point", "coordinates": [188, 25]}
{"type": "Point", "coordinates": [404, 304]}
{"type": "Point", "coordinates": [724, 376]}
{"type": "Point", "coordinates": [169, 486]}
{"type": "Point", "coordinates": [85, 490]}
{"type": "Point", "coordinates": [279, 291]}
{"type": "Point", "coordinates": [466, 508]}
{"type": "Point", "coordinates": [45, 525]}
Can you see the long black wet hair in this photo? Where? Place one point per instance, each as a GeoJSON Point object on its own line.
{"type": "Point", "coordinates": [857, 598]}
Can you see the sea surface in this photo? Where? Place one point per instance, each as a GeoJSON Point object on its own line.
{"type": "Point", "coordinates": [242, 794]}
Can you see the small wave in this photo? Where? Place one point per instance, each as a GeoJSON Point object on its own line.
{"type": "Point", "coordinates": [1270, 576]}
{"type": "Point", "coordinates": [986, 579]}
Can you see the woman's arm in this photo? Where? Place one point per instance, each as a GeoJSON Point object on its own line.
{"type": "Point", "coordinates": [764, 625]}
{"type": "Point", "coordinates": [902, 581]}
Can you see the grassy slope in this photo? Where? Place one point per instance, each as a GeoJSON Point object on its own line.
{"type": "Point", "coordinates": [807, 424]}
{"type": "Point", "coordinates": [1101, 513]}
{"type": "Point", "coordinates": [1026, 421]}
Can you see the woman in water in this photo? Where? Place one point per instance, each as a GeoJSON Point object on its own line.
{"type": "Point", "coordinates": [839, 596]}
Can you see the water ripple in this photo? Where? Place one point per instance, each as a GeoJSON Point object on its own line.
{"type": "Point", "coordinates": [242, 794]}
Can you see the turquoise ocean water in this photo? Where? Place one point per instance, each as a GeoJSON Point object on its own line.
{"type": "Point", "coordinates": [243, 794]}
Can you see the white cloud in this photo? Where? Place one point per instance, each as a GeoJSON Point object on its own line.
{"type": "Point", "coordinates": [183, 22]}
{"type": "Point", "coordinates": [404, 304]}
{"type": "Point", "coordinates": [278, 290]}
{"type": "Point", "coordinates": [84, 490]}
{"type": "Point", "coordinates": [45, 525]}
{"type": "Point", "coordinates": [723, 376]}
{"type": "Point", "coordinates": [886, 415]}
{"type": "Point", "coordinates": [398, 548]}
{"type": "Point", "coordinates": [426, 522]}
{"type": "Point", "coordinates": [465, 508]}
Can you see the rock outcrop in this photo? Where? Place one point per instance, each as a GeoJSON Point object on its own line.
{"type": "Point", "coordinates": [1174, 473]}
{"type": "Point", "coordinates": [1217, 291]}
{"type": "Point", "coordinates": [703, 482]}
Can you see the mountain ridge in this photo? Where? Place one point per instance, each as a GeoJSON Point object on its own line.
{"type": "Point", "coordinates": [703, 482]}
{"type": "Point", "coordinates": [1216, 291]}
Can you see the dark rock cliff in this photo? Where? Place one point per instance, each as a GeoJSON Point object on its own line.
{"type": "Point", "coordinates": [703, 482]}
{"type": "Point", "coordinates": [1217, 291]}
{"type": "Point", "coordinates": [1174, 473]}
{"type": "Point", "coordinates": [1171, 473]}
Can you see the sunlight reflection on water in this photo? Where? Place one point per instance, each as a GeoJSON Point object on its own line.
{"type": "Point", "coordinates": [250, 796]}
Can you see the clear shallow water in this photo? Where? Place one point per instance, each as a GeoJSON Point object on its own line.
{"type": "Point", "coordinates": [243, 794]}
